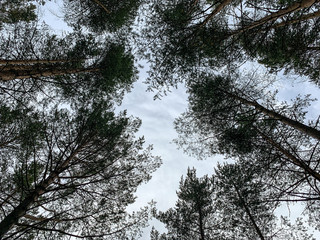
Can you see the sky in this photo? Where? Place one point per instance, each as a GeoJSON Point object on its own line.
{"type": "Point", "coordinates": [157, 127]}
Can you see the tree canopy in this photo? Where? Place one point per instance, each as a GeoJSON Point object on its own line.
{"type": "Point", "coordinates": [229, 116]}
{"type": "Point", "coordinates": [185, 36]}
{"type": "Point", "coordinates": [101, 15]}
{"type": "Point", "coordinates": [75, 177]}
{"type": "Point", "coordinates": [70, 163]}
{"type": "Point", "coordinates": [193, 215]}
{"type": "Point", "coordinates": [232, 203]}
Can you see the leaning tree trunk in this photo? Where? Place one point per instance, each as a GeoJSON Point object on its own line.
{"type": "Point", "coordinates": [310, 131]}
{"type": "Point", "coordinates": [290, 156]}
{"type": "Point", "coordinates": [102, 6]}
{"type": "Point", "coordinates": [23, 74]}
{"type": "Point", "coordinates": [247, 210]}
{"type": "Point", "coordinates": [19, 211]}
{"type": "Point", "coordinates": [300, 19]}
{"type": "Point", "coordinates": [215, 12]}
{"type": "Point", "coordinates": [274, 16]}
{"type": "Point", "coordinates": [34, 61]}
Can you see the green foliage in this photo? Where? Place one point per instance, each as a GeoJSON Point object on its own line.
{"type": "Point", "coordinates": [15, 11]}
{"type": "Point", "coordinates": [193, 215]}
{"type": "Point", "coordinates": [19, 126]}
{"type": "Point", "coordinates": [176, 16]}
{"type": "Point", "coordinates": [69, 165]}
{"type": "Point", "coordinates": [75, 170]}
{"type": "Point", "coordinates": [26, 177]}
{"type": "Point", "coordinates": [93, 164]}
{"type": "Point", "coordinates": [155, 235]}
{"type": "Point", "coordinates": [83, 47]}
{"type": "Point", "coordinates": [292, 49]}
{"type": "Point", "coordinates": [110, 75]}
{"type": "Point", "coordinates": [92, 15]}
{"type": "Point", "coordinates": [8, 115]}
{"type": "Point", "coordinates": [117, 68]}
{"type": "Point", "coordinates": [86, 68]}
{"type": "Point", "coordinates": [231, 204]}
{"type": "Point", "coordinates": [185, 38]}
{"type": "Point", "coordinates": [238, 139]}
{"type": "Point", "coordinates": [227, 115]}
{"type": "Point", "coordinates": [241, 199]}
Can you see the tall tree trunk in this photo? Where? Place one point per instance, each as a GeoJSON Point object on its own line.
{"type": "Point", "coordinates": [16, 74]}
{"type": "Point", "coordinates": [201, 225]}
{"type": "Point", "coordinates": [215, 12]}
{"type": "Point", "coordinates": [310, 131]}
{"type": "Point", "coordinates": [247, 210]}
{"type": "Point", "coordinates": [34, 61]}
{"type": "Point", "coordinates": [194, 3]}
{"type": "Point", "coordinates": [290, 156]}
{"type": "Point", "coordinates": [273, 16]}
{"type": "Point", "coordinates": [23, 67]}
{"type": "Point", "coordinates": [102, 5]}
{"type": "Point", "coordinates": [300, 19]}
{"type": "Point", "coordinates": [19, 211]}
{"type": "Point", "coordinates": [312, 48]}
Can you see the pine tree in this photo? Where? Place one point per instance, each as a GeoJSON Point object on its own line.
{"type": "Point", "coordinates": [231, 116]}
{"type": "Point", "coordinates": [189, 36]}
{"type": "Point", "coordinates": [242, 205]}
{"type": "Point", "coordinates": [231, 204]}
{"type": "Point", "coordinates": [194, 213]}
{"type": "Point", "coordinates": [69, 165]}
{"type": "Point", "coordinates": [74, 177]}
{"type": "Point", "coordinates": [15, 11]}
{"type": "Point", "coordinates": [101, 15]}
{"type": "Point", "coordinates": [72, 66]}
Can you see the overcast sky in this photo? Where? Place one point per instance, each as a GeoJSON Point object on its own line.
{"type": "Point", "coordinates": [157, 127]}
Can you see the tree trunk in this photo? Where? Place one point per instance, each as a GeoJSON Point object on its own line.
{"type": "Point", "coordinates": [201, 225]}
{"type": "Point", "coordinates": [215, 12]}
{"type": "Point", "coordinates": [23, 67]}
{"type": "Point", "coordinates": [19, 211]}
{"type": "Point", "coordinates": [102, 5]}
{"type": "Point", "coordinates": [34, 61]}
{"type": "Point", "coordinates": [300, 19]}
{"type": "Point", "coordinates": [312, 132]}
{"type": "Point", "coordinates": [290, 156]}
{"type": "Point", "coordinates": [247, 210]}
{"type": "Point", "coordinates": [17, 74]}
{"type": "Point", "coordinates": [273, 16]}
